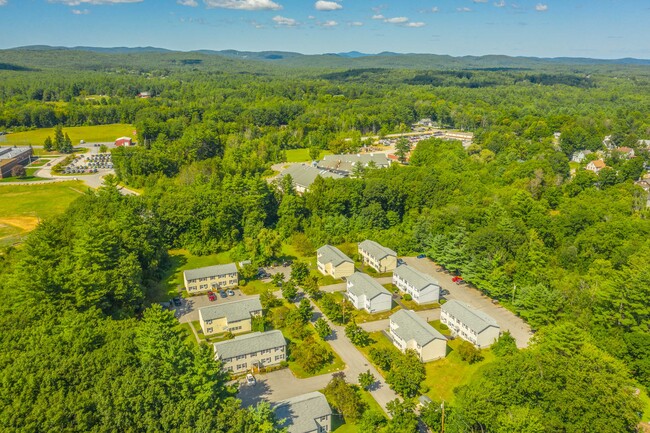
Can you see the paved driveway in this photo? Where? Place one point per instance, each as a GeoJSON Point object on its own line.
{"type": "Point", "coordinates": [505, 318]}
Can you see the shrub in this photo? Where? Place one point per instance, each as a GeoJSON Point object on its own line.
{"type": "Point", "coordinates": [469, 353]}
{"type": "Point", "coordinates": [408, 297]}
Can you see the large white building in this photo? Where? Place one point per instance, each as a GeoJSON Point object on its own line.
{"type": "Point", "coordinates": [364, 292]}
{"type": "Point", "coordinates": [235, 317]}
{"type": "Point", "coordinates": [331, 261]}
{"type": "Point", "coordinates": [307, 413]}
{"type": "Point", "coordinates": [251, 352]}
{"type": "Point", "coordinates": [410, 331]}
{"type": "Point", "coordinates": [423, 288]}
{"type": "Point", "coordinates": [469, 324]}
{"type": "Point", "coordinates": [211, 278]}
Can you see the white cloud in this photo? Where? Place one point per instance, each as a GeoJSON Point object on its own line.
{"type": "Point", "coordinates": [540, 7]}
{"type": "Point", "coordinates": [329, 23]}
{"type": "Point", "coordinates": [500, 4]}
{"type": "Point", "coordinates": [244, 5]}
{"type": "Point", "coordinates": [356, 24]}
{"type": "Point", "coordinates": [378, 17]}
{"type": "Point", "coordinates": [465, 9]}
{"type": "Point", "coordinates": [396, 20]}
{"type": "Point", "coordinates": [311, 17]}
{"type": "Point", "coordinates": [479, 1]}
{"type": "Point", "coordinates": [80, 11]}
{"type": "Point", "coordinates": [415, 24]}
{"type": "Point", "coordinates": [325, 5]}
{"type": "Point", "coordinates": [281, 21]}
{"type": "Point", "coordinates": [191, 3]}
{"type": "Point", "coordinates": [3, 2]}
{"type": "Point", "coordinates": [93, 2]}
{"type": "Point", "coordinates": [435, 10]}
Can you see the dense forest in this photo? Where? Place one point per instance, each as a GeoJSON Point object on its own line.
{"type": "Point", "coordinates": [83, 351]}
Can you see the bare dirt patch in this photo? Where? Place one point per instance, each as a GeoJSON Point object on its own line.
{"type": "Point", "coordinates": [26, 223]}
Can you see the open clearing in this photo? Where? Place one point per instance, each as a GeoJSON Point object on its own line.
{"type": "Point", "coordinates": [23, 206]}
{"type": "Point", "coordinates": [76, 133]}
{"type": "Point", "coordinates": [302, 155]}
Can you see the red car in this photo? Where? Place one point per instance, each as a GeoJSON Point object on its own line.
{"type": "Point", "coordinates": [212, 296]}
{"type": "Point", "coordinates": [457, 279]}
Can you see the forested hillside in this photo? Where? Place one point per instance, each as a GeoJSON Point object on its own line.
{"type": "Point", "coordinates": [83, 351]}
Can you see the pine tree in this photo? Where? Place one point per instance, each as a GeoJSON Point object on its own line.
{"type": "Point", "coordinates": [48, 146]}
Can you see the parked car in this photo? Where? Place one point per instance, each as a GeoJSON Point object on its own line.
{"type": "Point", "coordinates": [230, 293]}
{"type": "Point", "coordinates": [457, 279]}
{"type": "Point", "coordinates": [400, 262]}
{"type": "Point", "coordinates": [222, 294]}
{"type": "Point", "coordinates": [444, 292]}
{"type": "Point", "coordinates": [212, 296]}
{"type": "Point", "coordinates": [250, 379]}
{"type": "Point", "coordinates": [177, 301]}
{"type": "Point", "coordinates": [421, 256]}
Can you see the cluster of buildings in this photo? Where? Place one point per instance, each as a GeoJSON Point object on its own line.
{"type": "Point", "coordinates": [11, 157]}
{"type": "Point", "coordinates": [598, 164]}
{"type": "Point", "coordinates": [332, 167]}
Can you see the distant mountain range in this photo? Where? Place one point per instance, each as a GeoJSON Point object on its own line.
{"type": "Point", "coordinates": [285, 55]}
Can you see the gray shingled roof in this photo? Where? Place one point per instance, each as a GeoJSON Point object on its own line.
{"type": "Point", "coordinates": [410, 326]}
{"type": "Point", "coordinates": [304, 175]}
{"type": "Point", "coordinates": [249, 343]}
{"type": "Point", "coordinates": [299, 413]}
{"type": "Point", "coordinates": [418, 279]}
{"type": "Point", "coordinates": [330, 254]}
{"type": "Point", "coordinates": [210, 271]}
{"type": "Point", "coordinates": [233, 311]}
{"type": "Point", "coordinates": [475, 320]}
{"type": "Point", "coordinates": [348, 161]}
{"type": "Point", "coordinates": [376, 250]}
{"type": "Point", "coordinates": [363, 284]}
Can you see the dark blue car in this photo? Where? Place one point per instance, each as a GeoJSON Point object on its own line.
{"type": "Point", "coordinates": [421, 256]}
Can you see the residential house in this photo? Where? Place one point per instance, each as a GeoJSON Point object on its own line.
{"type": "Point", "coordinates": [235, 317]}
{"type": "Point", "coordinates": [469, 324]}
{"type": "Point", "coordinates": [251, 352]}
{"type": "Point", "coordinates": [378, 257]}
{"type": "Point", "coordinates": [644, 143]}
{"type": "Point", "coordinates": [645, 184]}
{"type": "Point", "coordinates": [423, 288]}
{"type": "Point", "coordinates": [596, 165]}
{"type": "Point", "coordinates": [344, 164]}
{"type": "Point", "coordinates": [307, 413]}
{"type": "Point", "coordinates": [580, 155]}
{"type": "Point", "coordinates": [211, 278]}
{"type": "Point", "coordinates": [331, 261]}
{"type": "Point", "coordinates": [11, 157]}
{"type": "Point", "coordinates": [410, 331]}
{"type": "Point", "coordinates": [625, 152]}
{"type": "Point", "coordinates": [365, 292]}
{"type": "Point", "coordinates": [303, 176]}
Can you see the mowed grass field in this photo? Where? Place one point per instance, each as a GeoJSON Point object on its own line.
{"type": "Point", "coordinates": [23, 206]}
{"type": "Point", "coordinates": [302, 155]}
{"type": "Point", "coordinates": [89, 134]}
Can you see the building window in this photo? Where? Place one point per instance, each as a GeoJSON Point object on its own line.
{"type": "Point", "coordinates": [209, 330]}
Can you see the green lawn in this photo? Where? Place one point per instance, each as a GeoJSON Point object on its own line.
{"type": "Point", "coordinates": [381, 342]}
{"type": "Point", "coordinates": [182, 260]}
{"type": "Point", "coordinates": [23, 206]}
{"type": "Point", "coordinates": [76, 133]}
{"type": "Point", "coordinates": [412, 305]}
{"type": "Point", "coordinates": [302, 155]}
{"type": "Point", "coordinates": [446, 374]}
{"type": "Point", "coordinates": [29, 178]}
{"type": "Point", "coordinates": [189, 336]}
{"type": "Point", "coordinates": [340, 426]}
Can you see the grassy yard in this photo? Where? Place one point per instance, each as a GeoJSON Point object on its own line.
{"type": "Point", "coordinates": [76, 133]}
{"type": "Point", "coordinates": [182, 260]}
{"type": "Point", "coordinates": [446, 374]}
{"type": "Point", "coordinates": [189, 336]}
{"type": "Point", "coordinates": [362, 316]}
{"type": "Point", "coordinates": [412, 305]}
{"type": "Point", "coordinates": [382, 343]}
{"type": "Point", "coordinates": [302, 155]}
{"type": "Point", "coordinates": [23, 206]}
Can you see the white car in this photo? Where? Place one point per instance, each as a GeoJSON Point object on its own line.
{"type": "Point", "coordinates": [250, 379]}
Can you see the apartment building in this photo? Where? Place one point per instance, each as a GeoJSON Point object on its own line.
{"type": "Point", "coordinates": [469, 324]}
{"type": "Point", "coordinates": [378, 257]}
{"type": "Point", "coordinates": [252, 352]}
{"type": "Point", "coordinates": [364, 292]}
{"type": "Point", "coordinates": [423, 288]}
{"type": "Point", "coordinates": [331, 261]}
{"type": "Point", "coordinates": [211, 278]}
{"type": "Point", "coordinates": [410, 331]}
{"type": "Point", "coordinates": [307, 413]}
{"type": "Point", "coordinates": [235, 317]}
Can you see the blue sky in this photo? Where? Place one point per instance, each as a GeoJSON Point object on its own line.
{"type": "Point", "coordinates": [545, 28]}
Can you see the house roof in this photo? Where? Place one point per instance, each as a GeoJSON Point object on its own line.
{"type": "Point", "coordinates": [233, 311]}
{"type": "Point", "coordinates": [299, 413]}
{"type": "Point", "coordinates": [304, 175]}
{"type": "Point", "coordinates": [376, 250]}
{"type": "Point", "coordinates": [347, 162]}
{"type": "Point", "coordinates": [362, 284]}
{"type": "Point", "coordinates": [123, 138]}
{"type": "Point", "coordinates": [418, 279]}
{"type": "Point", "coordinates": [475, 320]}
{"type": "Point", "coordinates": [249, 343]}
{"type": "Point", "coordinates": [330, 254]}
{"type": "Point", "coordinates": [599, 163]}
{"type": "Point", "coordinates": [410, 326]}
{"type": "Point", "coordinates": [210, 271]}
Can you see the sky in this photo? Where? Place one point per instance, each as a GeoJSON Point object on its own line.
{"type": "Point", "coordinates": [541, 28]}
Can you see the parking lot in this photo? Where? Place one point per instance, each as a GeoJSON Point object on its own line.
{"type": "Point", "coordinates": [189, 309]}
{"type": "Point", "coordinates": [507, 320]}
{"type": "Point", "coordinates": [91, 163]}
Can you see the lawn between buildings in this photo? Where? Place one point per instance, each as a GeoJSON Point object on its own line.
{"type": "Point", "coordinates": [340, 425]}
{"type": "Point", "coordinates": [302, 155]}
